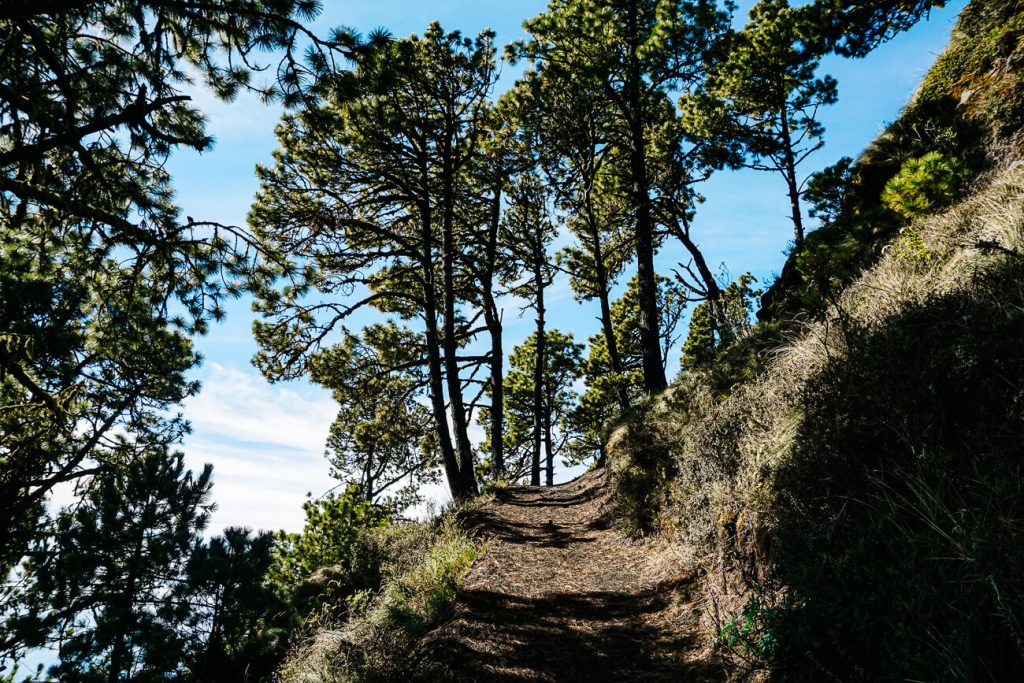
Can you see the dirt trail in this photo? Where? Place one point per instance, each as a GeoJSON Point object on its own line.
{"type": "Point", "coordinates": [562, 596]}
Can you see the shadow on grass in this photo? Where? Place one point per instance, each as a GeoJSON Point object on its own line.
{"type": "Point", "coordinates": [509, 638]}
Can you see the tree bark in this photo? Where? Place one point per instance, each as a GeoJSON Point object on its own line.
{"type": "Point", "coordinates": [539, 360]}
{"type": "Point", "coordinates": [601, 276]}
{"type": "Point", "coordinates": [492, 318]}
{"type": "Point", "coordinates": [650, 338]}
{"type": "Point", "coordinates": [435, 372]}
{"type": "Point", "coordinates": [549, 455]}
{"type": "Point", "coordinates": [789, 171]}
{"type": "Point", "coordinates": [456, 402]}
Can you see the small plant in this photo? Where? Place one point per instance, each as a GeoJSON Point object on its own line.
{"type": "Point", "coordinates": [924, 185]}
{"type": "Point", "coordinates": [912, 247]}
{"type": "Point", "coordinates": [755, 635]}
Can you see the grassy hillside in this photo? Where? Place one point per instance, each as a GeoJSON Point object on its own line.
{"type": "Point", "coordinates": [847, 478]}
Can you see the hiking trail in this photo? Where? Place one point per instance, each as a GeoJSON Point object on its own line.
{"type": "Point", "coordinates": [560, 595]}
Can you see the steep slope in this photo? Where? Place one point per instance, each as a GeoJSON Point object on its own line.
{"type": "Point", "coordinates": [850, 473]}
{"type": "Point", "coordinates": [561, 596]}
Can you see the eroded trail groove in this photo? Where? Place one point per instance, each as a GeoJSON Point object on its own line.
{"type": "Point", "coordinates": [562, 596]}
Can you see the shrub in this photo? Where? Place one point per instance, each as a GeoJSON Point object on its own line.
{"type": "Point", "coordinates": [924, 185]}
{"type": "Point", "coordinates": [756, 634]}
{"type": "Point", "coordinates": [422, 566]}
{"type": "Point", "coordinates": [320, 567]}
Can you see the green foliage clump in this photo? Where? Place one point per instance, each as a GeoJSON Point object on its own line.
{"type": "Point", "coordinates": [924, 185]}
{"type": "Point", "coordinates": [756, 634]}
{"type": "Point", "coordinates": [419, 597]}
{"type": "Point", "coordinates": [716, 324]}
{"type": "Point", "coordinates": [828, 191]}
{"type": "Point", "coordinates": [322, 566]}
{"type": "Point", "coordinates": [422, 566]}
{"type": "Point", "coordinates": [640, 464]}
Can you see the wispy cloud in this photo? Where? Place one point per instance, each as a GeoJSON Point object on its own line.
{"type": "Point", "coordinates": [266, 444]}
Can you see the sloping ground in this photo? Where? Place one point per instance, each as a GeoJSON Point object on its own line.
{"type": "Point", "coordinates": [562, 596]}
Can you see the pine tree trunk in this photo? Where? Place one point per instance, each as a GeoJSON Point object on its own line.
{"type": "Point", "coordinates": [497, 399]}
{"type": "Point", "coordinates": [463, 447]}
{"type": "Point", "coordinates": [435, 374]}
{"type": "Point", "coordinates": [789, 171]}
{"type": "Point", "coordinates": [492, 318]}
{"type": "Point", "coordinates": [601, 275]}
{"type": "Point", "coordinates": [368, 478]}
{"type": "Point", "coordinates": [539, 360]}
{"type": "Point", "coordinates": [650, 338]}
{"type": "Point", "coordinates": [549, 454]}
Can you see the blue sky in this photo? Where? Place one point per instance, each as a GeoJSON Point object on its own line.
{"type": "Point", "coordinates": [266, 441]}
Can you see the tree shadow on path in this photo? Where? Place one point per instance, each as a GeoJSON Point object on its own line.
{"type": "Point", "coordinates": [559, 598]}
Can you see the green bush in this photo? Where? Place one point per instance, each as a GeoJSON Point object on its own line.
{"type": "Point", "coordinates": [422, 566]}
{"type": "Point", "coordinates": [925, 185]}
{"type": "Point", "coordinates": [321, 567]}
{"type": "Point", "coordinates": [756, 635]}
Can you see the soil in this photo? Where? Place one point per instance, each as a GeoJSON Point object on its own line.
{"type": "Point", "coordinates": [561, 595]}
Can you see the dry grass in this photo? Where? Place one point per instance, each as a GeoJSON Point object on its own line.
{"type": "Point", "coordinates": [723, 501]}
{"type": "Point", "coordinates": [424, 566]}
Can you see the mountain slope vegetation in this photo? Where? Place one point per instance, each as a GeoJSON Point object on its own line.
{"type": "Point", "coordinates": [830, 489]}
{"type": "Point", "coordinates": [847, 475]}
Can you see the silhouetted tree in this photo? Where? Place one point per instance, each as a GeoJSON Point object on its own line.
{"type": "Point", "coordinates": [364, 195]}
{"type": "Point", "coordinates": [108, 574]}
{"type": "Point", "coordinates": [760, 102]}
{"type": "Point", "coordinates": [638, 51]}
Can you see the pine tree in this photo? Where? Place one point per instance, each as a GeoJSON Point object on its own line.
{"type": "Point", "coordinates": [386, 446]}
{"type": "Point", "coordinates": [571, 125]}
{"type": "Point", "coordinates": [234, 622]}
{"type": "Point", "coordinates": [761, 100]}
{"type": "Point", "coordinates": [554, 403]}
{"type": "Point", "coordinates": [103, 283]}
{"type": "Point", "coordinates": [364, 195]}
{"type": "Point", "coordinates": [638, 51]}
{"type": "Point", "coordinates": [529, 234]}
{"type": "Point", "coordinates": [109, 571]}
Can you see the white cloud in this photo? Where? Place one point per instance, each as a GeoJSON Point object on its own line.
{"type": "Point", "coordinates": [241, 406]}
{"type": "Point", "coordinates": [266, 444]}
